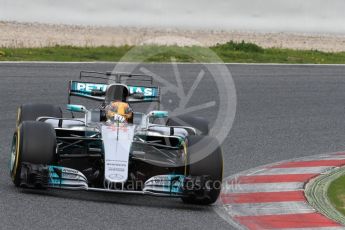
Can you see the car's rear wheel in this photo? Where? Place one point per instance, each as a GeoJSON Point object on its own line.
{"type": "Point", "coordinates": [204, 158]}
{"type": "Point", "coordinates": [33, 142]}
{"type": "Point", "coordinates": [200, 124]}
{"type": "Point", "coordinates": [30, 112]}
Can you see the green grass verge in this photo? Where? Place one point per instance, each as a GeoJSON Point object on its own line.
{"type": "Point", "coordinates": [229, 52]}
{"type": "Point", "coordinates": [336, 194]}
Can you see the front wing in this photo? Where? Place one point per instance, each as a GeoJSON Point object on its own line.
{"type": "Point", "coordinates": [43, 176]}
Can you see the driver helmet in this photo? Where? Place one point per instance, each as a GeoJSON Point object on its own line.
{"type": "Point", "coordinates": [119, 111]}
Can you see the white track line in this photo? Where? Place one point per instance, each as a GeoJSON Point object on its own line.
{"type": "Point", "coordinates": [299, 170]}
{"type": "Point", "coordinates": [165, 63]}
{"type": "Point", "coordinates": [262, 187]}
{"type": "Point", "coordinates": [274, 208]}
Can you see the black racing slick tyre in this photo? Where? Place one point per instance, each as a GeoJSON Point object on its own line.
{"type": "Point", "coordinates": [33, 142]}
{"type": "Point", "coordinates": [30, 112]}
{"type": "Point", "coordinates": [200, 124]}
{"type": "Point", "coordinates": [202, 163]}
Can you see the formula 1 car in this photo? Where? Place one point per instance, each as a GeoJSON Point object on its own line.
{"type": "Point", "coordinates": [174, 159]}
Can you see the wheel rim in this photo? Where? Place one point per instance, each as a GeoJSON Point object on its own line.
{"type": "Point", "coordinates": [13, 153]}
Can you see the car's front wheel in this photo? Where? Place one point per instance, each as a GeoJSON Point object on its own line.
{"type": "Point", "coordinates": [204, 161]}
{"type": "Point", "coordinates": [33, 142]}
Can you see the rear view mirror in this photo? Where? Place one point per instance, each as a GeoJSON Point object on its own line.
{"type": "Point", "coordinates": [158, 114]}
{"type": "Point", "coordinates": [76, 108]}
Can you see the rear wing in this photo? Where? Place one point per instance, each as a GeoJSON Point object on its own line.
{"type": "Point", "coordinates": [95, 91]}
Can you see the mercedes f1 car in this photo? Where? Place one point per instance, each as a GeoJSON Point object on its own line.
{"type": "Point", "coordinates": [176, 158]}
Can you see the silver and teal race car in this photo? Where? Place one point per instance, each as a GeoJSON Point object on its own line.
{"type": "Point", "coordinates": [176, 158]}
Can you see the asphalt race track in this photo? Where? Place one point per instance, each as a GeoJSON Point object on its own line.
{"type": "Point", "coordinates": [283, 112]}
